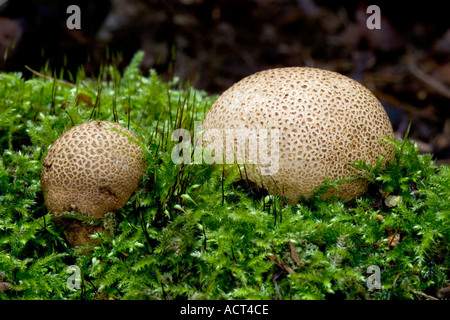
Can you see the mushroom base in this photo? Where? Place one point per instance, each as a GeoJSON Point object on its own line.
{"type": "Point", "coordinates": [77, 232]}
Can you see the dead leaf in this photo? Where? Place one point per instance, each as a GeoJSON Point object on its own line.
{"type": "Point", "coordinates": [384, 194]}
{"type": "Point", "coordinates": [81, 97]}
{"type": "Point", "coordinates": [444, 293]}
{"type": "Point", "coordinates": [294, 253]}
{"type": "Point", "coordinates": [4, 286]}
{"type": "Point", "coordinates": [393, 201]}
{"type": "Point", "coordinates": [281, 264]}
{"type": "Point", "coordinates": [377, 204]}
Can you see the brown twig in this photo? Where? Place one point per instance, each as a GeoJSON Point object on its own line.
{"type": "Point", "coordinates": [392, 238]}
{"type": "Point", "coordinates": [432, 83]}
{"type": "Point", "coordinates": [424, 295]}
{"type": "Point", "coordinates": [63, 82]}
{"type": "Point", "coordinates": [395, 280]}
{"type": "Point", "coordinates": [394, 101]}
{"type": "Point", "coordinates": [185, 276]}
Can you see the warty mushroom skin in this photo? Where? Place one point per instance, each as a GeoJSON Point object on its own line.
{"type": "Point", "coordinates": [325, 121]}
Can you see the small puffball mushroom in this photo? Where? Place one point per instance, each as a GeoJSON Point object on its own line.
{"type": "Point", "coordinates": [92, 169]}
{"type": "Point", "coordinates": [324, 121]}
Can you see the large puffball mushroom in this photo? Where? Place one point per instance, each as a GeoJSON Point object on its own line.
{"type": "Point", "coordinates": [92, 169]}
{"type": "Point", "coordinates": [323, 121]}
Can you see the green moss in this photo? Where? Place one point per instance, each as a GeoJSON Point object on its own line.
{"type": "Point", "coordinates": [199, 231]}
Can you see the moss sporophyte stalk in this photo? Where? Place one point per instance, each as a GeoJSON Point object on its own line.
{"type": "Point", "coordinates": [207, 231]}
{"type": "Point", "coordinates": [238, 146]}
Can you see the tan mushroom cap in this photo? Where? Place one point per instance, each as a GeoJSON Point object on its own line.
{"type": "Point", "coordinates": [325, 121]}
{"type": "Point", "coordinates": [93, 168]}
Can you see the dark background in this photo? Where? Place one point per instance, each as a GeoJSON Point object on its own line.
{"type": "Point", "coordinates": [213, 44]}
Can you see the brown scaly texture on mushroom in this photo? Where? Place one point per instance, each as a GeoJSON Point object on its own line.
{"type": "Point", "coordinates": [93, 169]}
{"type": "Point", "coordinates": [326, 120]}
